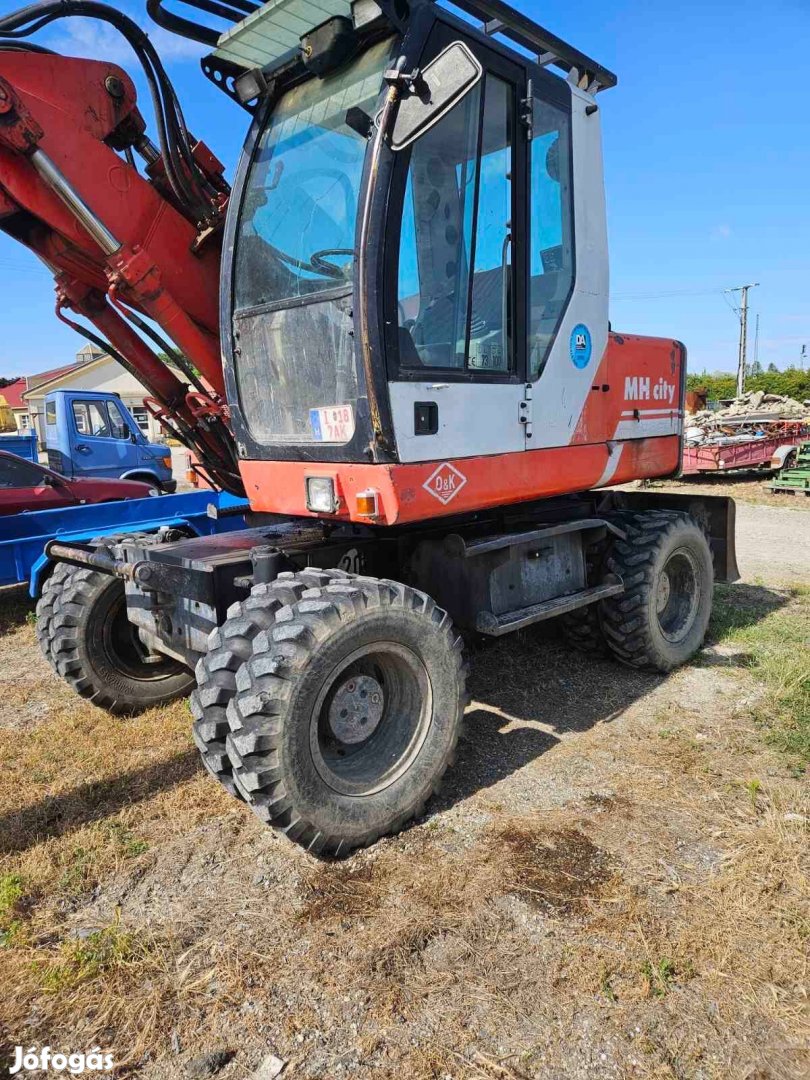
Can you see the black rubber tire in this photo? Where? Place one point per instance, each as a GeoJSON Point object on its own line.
{"type": "Point", "coordinates": [46, 608]}
{"type": "Point", "coordinates": [94, 648]}
{"type": "Point", "coordinates": [275, 716]}
{"type": "Point", "coordinates": [660, 543]}
{"type": "Point", "coordinates": [54, 584]}
{"type": "Point", "coordinates": [582, 628]}
{"type": "Point", "coordinates": [229, 646]}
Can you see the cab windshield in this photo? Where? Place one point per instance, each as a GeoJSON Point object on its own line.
{"type": "Point", "coordinates": [297, 228]}
{"type": "Point", "coordinates": [294, 261]}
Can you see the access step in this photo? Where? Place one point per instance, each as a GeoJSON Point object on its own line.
{"type": "Point", "coordinates": [496, 625]}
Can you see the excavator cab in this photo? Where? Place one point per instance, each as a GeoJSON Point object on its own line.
{"type": "Point", "coordinates": [417, 260]}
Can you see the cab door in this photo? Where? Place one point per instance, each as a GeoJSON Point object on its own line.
{"type": "Point", "coordinates": [457, 355]}
{"type": "Point", "coordinates": [572, 392]}
{"type": "Point", "coordinates": [101, 441]}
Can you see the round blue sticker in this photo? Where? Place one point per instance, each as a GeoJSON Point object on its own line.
{"type": "Point", "coordinates": [580, 346]}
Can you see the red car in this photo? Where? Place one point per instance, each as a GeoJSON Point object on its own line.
{"type": "Point", "coordinates": [26, 486]}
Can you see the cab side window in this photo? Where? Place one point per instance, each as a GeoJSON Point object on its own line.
{"type": "Point", "coordinates": [100, 420]}
{"type": "Point", "coordinates": [551, 231]}
{"type": "Point", "coordinates": [118, 425]}
{"type": "Point", "coordinates": [454, 294]}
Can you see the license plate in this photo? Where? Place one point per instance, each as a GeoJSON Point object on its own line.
{"type": "Point", "coordinates": [333, 423]}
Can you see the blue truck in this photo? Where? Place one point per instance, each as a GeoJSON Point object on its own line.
{"type": "Point", "coordinates": [93, 434]}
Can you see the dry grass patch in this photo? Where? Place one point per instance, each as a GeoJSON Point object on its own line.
{"type": "Point", "coordinates": [85, 801]}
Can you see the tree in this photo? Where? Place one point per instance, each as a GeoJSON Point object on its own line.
{"type": "Point", "coordinates": [773, 369]}
{"type": "Point", "coordinates": [755, 369]}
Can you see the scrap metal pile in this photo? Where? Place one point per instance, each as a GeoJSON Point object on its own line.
{"type": "Point", "coordinates": [755, 415]}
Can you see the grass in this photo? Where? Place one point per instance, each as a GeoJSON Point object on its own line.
{"type": "Point", "coordinates": [11, 894]}
{"type": "Point", "coordinates": [638, 890]}
{"type": "Point", "coordinates": [776, 646]}
{"type": "Point", "coordinates": [101, 953]}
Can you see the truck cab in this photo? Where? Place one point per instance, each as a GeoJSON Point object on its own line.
{"type": "Point", "coordinates": [91, 434]}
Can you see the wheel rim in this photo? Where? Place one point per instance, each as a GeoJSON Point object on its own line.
{"type": "Point", "coordinates": [371, 718]}
{"type": "Point", "coordinates": [677, 595]}
{"type": "Point", "coordinates": [125, 652]}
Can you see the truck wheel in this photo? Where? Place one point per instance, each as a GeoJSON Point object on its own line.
{"type": "Point", "coordinates": [348, 712]}
{"type": "Point", "coordinates": [97, 651]}
{"type": "Point", "coordinates": [229, 646]}
{"type": "Point", "coordinates": [666, 566]}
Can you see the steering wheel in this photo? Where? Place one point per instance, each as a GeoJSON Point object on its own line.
{"type": "Point", "coordinates": [317, 262]}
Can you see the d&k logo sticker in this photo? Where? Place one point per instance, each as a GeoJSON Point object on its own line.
{"type": "Point", "coordinates": [445, 482]}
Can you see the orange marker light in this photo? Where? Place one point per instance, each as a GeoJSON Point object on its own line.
{"type": "Point", "coordinates": [367, 503]}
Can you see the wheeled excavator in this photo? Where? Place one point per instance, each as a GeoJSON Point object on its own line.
{"type": "Point", "coordinates": [391, 335]}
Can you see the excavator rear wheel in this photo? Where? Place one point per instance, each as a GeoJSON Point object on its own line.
{"type": "Point", "coordinates": [85, 634]}
{"type": "Point", "coordinates": [348, 712]}
{"type": "Point", "coordinates": [665, 562]}
{"type": "Point", "coordinates": [46, 607]}
{"type": "Point", "coordinates": [582, 628]}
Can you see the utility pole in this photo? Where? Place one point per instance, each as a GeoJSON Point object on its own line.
{"type": "Point", "coordinates": [743, 314]}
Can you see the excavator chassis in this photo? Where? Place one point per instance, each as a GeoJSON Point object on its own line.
{"type": "Point", "coordinates": [493, 574]}
{"type": "Point", "coordinates": [328, 658]}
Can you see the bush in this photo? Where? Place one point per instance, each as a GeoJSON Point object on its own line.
{"type": "Point", "coordinates": [793, 383]}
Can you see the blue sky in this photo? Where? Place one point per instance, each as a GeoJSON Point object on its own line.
{"type": "Point", "coordinates": [707, 163]}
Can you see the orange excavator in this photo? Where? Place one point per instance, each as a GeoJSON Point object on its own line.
{"type": "Point", "coordinates": [392, 337]}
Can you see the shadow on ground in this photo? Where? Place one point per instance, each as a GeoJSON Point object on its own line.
{"type": "Point", "coordinates": [530, 690]}
{"type": "Point", "coordinates": [16, 607]}
{"type": "Point", "coordinates": [527, 691]}
{"type": "Point", "coordinates": [59, 814]}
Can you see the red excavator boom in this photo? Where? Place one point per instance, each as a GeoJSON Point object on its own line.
{"type": "Point", "coordinates": [125, 246]}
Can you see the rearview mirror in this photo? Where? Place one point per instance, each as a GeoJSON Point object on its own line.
{"type": "Point", "coordinates": [442, 84]}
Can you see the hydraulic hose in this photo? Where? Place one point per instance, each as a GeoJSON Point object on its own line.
{"type": "Point", "coordinates": [181, 171]}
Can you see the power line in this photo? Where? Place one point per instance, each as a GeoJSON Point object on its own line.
{"type": "Point", "coordinates": [666, 295]}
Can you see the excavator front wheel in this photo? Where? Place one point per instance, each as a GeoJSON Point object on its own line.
{"type": "Point", "coordinates": [348, 712]}
{"type": "Point", "coordinates": [229, 647]}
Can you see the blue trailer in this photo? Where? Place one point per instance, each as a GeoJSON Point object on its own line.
{"type": "Point", "coordinates": [24, 445]}
{"type": "Point", "coordinates": [23, 537]}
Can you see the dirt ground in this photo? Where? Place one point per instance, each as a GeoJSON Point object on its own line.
{"type": "Point", "coordinates": [612, 883]}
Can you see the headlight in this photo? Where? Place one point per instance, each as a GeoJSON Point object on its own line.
{"type": "Point", "coordinates": [321, 495]}
{"type": "Point", "coordinates": [154, 491]}
{"type": "Point", "coordinates": [167, 460]}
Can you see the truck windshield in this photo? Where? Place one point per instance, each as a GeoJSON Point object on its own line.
{"type": "Point", "coordinates": [294, 260]}
{"type": "Point", "coordinates": [296, 234]}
